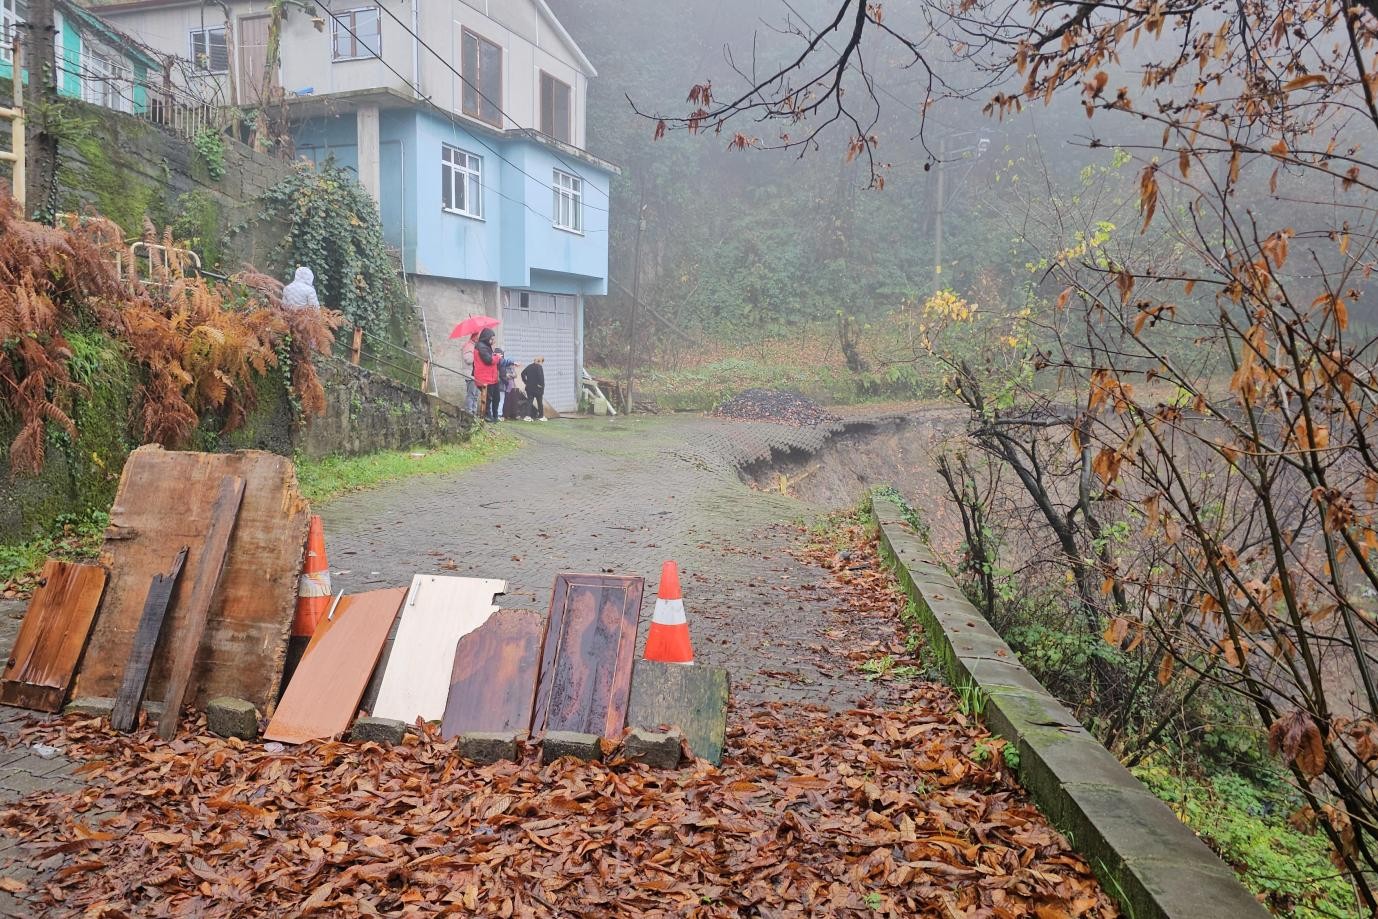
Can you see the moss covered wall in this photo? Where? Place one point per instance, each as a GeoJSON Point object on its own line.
{"type": "Point", "coordinates": [126, 168]}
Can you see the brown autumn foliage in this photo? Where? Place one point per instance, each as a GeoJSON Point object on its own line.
{"type": "Point", "coordinates": [199, 345]}
{"type": "Point", "coordinates": [857, 813]}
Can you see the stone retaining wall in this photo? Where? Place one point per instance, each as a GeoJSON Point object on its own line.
{"type": "Point", "coordinates": [1148, 859]}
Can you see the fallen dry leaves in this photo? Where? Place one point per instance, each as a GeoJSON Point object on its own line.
{"type": "Point", "coordinates": [865, 812]}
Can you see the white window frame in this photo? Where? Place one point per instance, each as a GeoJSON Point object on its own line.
{"type": "Point", "coordinates": [195, 57]}
{"type": "Point", "coordinates": [568, 211]}
{"type": "Point", "coordinates": [10, 21]}
{"type": "Point", "coordinates": [464, 170]}
{"type": "Point", "coordinates": [101, 81]}
{"type": "Point", "coordinates": [338, 31]}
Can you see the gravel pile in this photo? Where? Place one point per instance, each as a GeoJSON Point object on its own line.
{"type": "Point", "coordinates": [774, 405]}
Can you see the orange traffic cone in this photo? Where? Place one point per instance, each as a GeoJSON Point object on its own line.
{"type": "Point", "coordinates": [668, 640]}
{"type": "Point", "coordinates": [313, 587]}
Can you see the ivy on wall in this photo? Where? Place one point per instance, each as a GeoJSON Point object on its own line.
{"type": "Point", "coordinates": [334, 229]}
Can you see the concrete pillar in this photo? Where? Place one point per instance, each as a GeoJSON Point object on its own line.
{"type": "Point", "coordinates": [370, 161]}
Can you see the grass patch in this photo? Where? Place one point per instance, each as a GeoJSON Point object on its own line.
{"type": "Point", "coordinates": [1248, 825]}
{"type": "Point", "coordinates": [331, 476]}
{"type": "Point", "coordinates": [74, 538]}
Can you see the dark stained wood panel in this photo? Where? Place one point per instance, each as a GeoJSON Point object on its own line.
{"type": "Point", "coordinates": [493, 684]}
{"type": "Point", "coordinates": [125, 714]}
{"type": "Point", "coordinates": [164, 502]}
{"type": "Point", "coordinates": [50, 641]}
{"type": "Point", "coordinates": [196, 609]}
{"type": "Point", "coordinates": [586, 664]}
{"type": "Point", "coordinates": [325, 690]}
{"type": "Point", "coordinates": [690, 697]}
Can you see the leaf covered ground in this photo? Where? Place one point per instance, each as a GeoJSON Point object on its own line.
{"type": "Point", "coordinates": [901, 811]}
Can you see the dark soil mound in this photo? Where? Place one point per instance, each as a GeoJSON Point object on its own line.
{"type": "Point", "coordinates": [773, 405]}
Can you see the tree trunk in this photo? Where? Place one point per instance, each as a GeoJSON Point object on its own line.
{"type": "Point", "coordinates": [40, 141]}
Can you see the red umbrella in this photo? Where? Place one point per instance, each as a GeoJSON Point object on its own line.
{"type": "Point", "coordinates": [473, 325]}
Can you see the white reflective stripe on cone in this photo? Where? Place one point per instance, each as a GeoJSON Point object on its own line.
{"type": "Point", "coordinates": [314, 584]}
{"type": "Point", "coordinates": [669, 612]}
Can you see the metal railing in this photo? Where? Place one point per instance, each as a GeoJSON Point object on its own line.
{"type": "Point", "coordinates": [15, 116]}
{"type": "Point", "coordinates": [353, 351]}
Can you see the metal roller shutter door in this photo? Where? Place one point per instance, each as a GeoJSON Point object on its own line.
{"type": "Point", "coordinates": [536, 324]}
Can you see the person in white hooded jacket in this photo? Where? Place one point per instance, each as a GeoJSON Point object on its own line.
{"type": "Point", "coordinates": [301, 292]}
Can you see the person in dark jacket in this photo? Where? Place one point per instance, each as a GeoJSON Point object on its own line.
{"type": "Point", "coordinates": [486, 373]}
{"type": "Point", "coordinates": [533, 379]}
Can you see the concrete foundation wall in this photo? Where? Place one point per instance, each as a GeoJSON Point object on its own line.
{"type": "Point", "coordinates": [444, 302]}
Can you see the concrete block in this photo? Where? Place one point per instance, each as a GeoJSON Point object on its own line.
{"type": "Point", "coordinates": [570, 743]}
{"type": "Point", "coordinates": [488, 746]}
{"type": "Point", "coordinates": [91, 706]}
{"type": "Point", "coordinates": [386, 731]}
{"type": "Point", "coordinates": [660, 751]}
{"type": "Point", "coordinates": [230, 717]}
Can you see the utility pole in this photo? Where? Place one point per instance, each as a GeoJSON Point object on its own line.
{"type": "Point", "coordinates": [938, 222]}
{"type": "Point", "coordinates": [41, 145]}
{"type": "Point", "coordinates": [636, 289]}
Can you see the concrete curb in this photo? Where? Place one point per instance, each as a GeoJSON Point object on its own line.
{"type": "Point", "coordinates": [1144, 856]}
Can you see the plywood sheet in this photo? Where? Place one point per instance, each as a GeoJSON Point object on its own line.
{"type": "Point", "coordinates": [325, 690]}
{"type": "Point", "coordinates": [45, 654]}
{"type": "Point", "coordinates": [164, 502]}
{"type": "Point", "coordinates": [692, 698]}
{"type": "Point", "coordinates": [439, 612]}
{"type": "Point", "coordinates": [493, 683]}
{"type": "Point", "coordinates": [586, 664]}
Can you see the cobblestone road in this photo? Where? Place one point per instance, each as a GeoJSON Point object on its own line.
{"type": "Point", "coordinates": [620, 496]}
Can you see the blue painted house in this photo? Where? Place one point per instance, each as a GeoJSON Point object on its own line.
{"type": "Point", "coordinates": [466, 121]}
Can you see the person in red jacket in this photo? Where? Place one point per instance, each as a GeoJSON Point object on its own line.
{"type": "Point", "coordinates": [486, 373]}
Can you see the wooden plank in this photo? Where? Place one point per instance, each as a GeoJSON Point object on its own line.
{"type": "Point", "coordinates": [439, 612]}
{"type": "Point", "coordinates": [586, 663]}
{"type": "Point", "coordinates": [131, 695]}
{"type": "Point", "coordinates": [50, 641]}
{"type": "Point", "coordinates": [164, 502]}
{"type": "Point", "coordinates": [692, 698]}
{"type": "Point", "coordinates": [210, 567]}
{"type": "Point", "coordinates": [493, 682]}
{"type": "Point", "coordinates": [326, 688]}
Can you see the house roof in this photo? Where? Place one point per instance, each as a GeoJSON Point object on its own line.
{"type": "Point", "coordinates": [549, 16]}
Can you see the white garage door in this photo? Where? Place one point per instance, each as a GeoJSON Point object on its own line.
{"type": "Point", "coordinates": [536, 324]}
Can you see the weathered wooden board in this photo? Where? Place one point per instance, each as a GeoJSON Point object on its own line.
{"type": "Point", "coordinates": [125, 714]}
{"type": "Point", "coordinates": [692, 698]}
{"type": "Point", "coordinates": [493, 683]}
{"type": "Point", "coordinates": [196, 610]}
{"type": "Point", "coordinates": [164, 502]}
{"type": "Point", "coordinates": [326, 688]}
{"type": "Point", "coordinates": [439, 612]}
{"type": "Point", "coordinates": [586, 664]}
{"type": "Point", "coordinates": [48, 647]}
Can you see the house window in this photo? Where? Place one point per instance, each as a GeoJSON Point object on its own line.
{"type": "Point", "coordinates": [569, 202]}
{"type": "Point", "coordinates": [555, 109]}
{"type": "Point", "coordinates": [461, 182]}
{"type": "Point", "coordinates": [357, 34]}
{"type": "Point", "coordinates": [105, 83]}
{"type": "Point", "coordinates": [209, 53]}
{"type": "Point", "coordinates": [11, 15]}
{"type": "Point", "coordinates": [481, 65]}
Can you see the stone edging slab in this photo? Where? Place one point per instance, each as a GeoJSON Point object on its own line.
{"type": "Point", "coordinates": [1144, 856]}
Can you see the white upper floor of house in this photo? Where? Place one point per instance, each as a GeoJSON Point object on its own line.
{"type": "Point", "coordinates": [505, 64]}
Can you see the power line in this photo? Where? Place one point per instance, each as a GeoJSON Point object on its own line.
{"type": "Point", "coordinates": [474, 134]}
